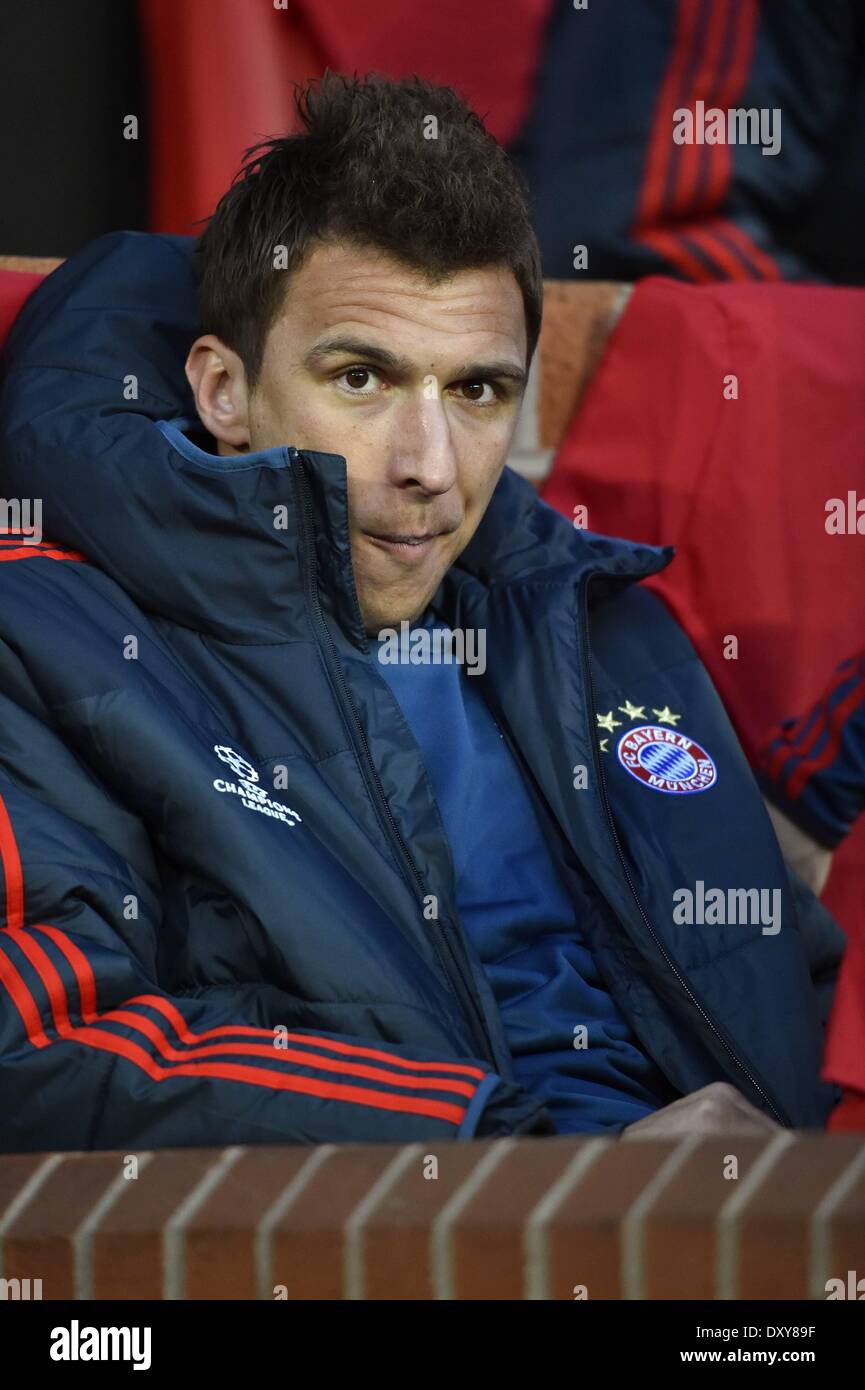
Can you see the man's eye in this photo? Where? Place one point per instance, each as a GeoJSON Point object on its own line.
{"type": "Point", "coordinates": [474, 391]}
{"type": "Point", "coordinates": [358, 379]}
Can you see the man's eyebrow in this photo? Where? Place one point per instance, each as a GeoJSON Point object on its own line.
{"type": "Point", "coordinates": [348, 346]}
{"type": "Point", "coordinates": [501, 370]}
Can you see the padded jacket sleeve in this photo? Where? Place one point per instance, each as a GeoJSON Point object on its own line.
{"type": "Point", "coordinates": [94, 1054]}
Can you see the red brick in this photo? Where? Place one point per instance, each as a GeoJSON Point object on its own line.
{"type": "Point", "coordinates": [220, 1239]}
{"type": "Point", "coordinates": [308, 1240]}
{"type": "Point", "coordinates": [584, 1237]}
{"type": "Point", "coordinates": [39, 1245]}
{"type": "Point", "coordinates": [488, 1246]}
{"type": "Point", "coordinates": [127, 1248]}
{"type": "Point", "coordinates": [774, 1244]}
{"type": "Point", "coordinates": [839, 1237]}
{"type": "Point", "coordinates": [396, 1237]}
{"type": "Point", "coordinates": [679, 1231]}
{"type": "Point", "coordinates": [15, 1171]}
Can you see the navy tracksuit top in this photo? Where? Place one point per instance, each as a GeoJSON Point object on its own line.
{"type": "Point", "coordinates": [570, 1043]}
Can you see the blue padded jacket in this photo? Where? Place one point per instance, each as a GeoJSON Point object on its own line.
{"type": "Point", "coordinates": [229, 904]}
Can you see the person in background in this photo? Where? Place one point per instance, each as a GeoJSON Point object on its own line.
{"type": "Point", "coordinates": [812, 772]}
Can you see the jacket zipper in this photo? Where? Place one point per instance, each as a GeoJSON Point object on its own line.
{"type": "Point", "coordinates": [449, 962]}
{"type": "Point", "coordinates": [602, 782]}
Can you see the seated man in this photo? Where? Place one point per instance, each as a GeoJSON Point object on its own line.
{"type": "Point", "coordinates": [277, 864]}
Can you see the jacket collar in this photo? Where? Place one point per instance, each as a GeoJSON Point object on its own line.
{"type": "Point", "coordinates": [246, 583]}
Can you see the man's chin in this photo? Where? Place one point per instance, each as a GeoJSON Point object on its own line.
{"type": "Point", "coordinates": [376, 623]}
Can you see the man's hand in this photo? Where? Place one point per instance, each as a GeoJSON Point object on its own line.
{"type": "Point", "coordinates": [716, 1109]}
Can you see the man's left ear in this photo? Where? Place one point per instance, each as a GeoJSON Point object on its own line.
{"type": "Point", "coordinates": [218, 380]}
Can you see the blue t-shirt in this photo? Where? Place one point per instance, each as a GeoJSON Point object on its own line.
{"type": "Point", "coordinates": [526, 926]}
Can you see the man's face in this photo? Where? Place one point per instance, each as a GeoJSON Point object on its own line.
{"type": "Point", "coordinates": [417, 385]}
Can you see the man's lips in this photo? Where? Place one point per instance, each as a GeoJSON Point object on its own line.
{"type": "Point", "coordinates": [404, 545]}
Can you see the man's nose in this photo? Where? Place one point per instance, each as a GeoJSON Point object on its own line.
{"type": "Point", "coordinates": [422, 446]}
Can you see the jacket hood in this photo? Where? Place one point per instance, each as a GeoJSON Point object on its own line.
{"type": "Point", "coordinates": [98, 420]}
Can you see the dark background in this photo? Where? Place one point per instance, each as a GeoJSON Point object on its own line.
{"type": "Point", "coordinates": [69, 74]}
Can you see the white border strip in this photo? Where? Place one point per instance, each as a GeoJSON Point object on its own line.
{"type": "Point", "coordinates": [536, 1253]}
{"type": "Point", "coordinates": [633, 1271]}
{"type": "Point", "coordinates": [82, 1240]}
{"type": "Point", "coordinates": [727, 1247]}
{"type": "Point", "coordinates": [354, 1282]}
{"type": "Point", "coordinates": [821, 1225]}
{"type": "Point", "coordinates": [275, 1212]}
{"type": "Point", "coordinates": [442, 1273]}
{"type": "Point", "coordinates": [27, 1193]}
{"type": "Point", "coordinates": [174, 1273]}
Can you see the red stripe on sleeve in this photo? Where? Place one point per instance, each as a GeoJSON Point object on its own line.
{"type": "Point", "coordinates": [701, 234]}
{"type": "Point", "coordinates": [190, 1065]}
{"type": "Point", "coordinates": [762, 262]}
{"type": "Point", "coordinates": [95, 1037]}
{"type": "Point", "coordinates": [661, 148]}
{"type": "Point", "coordinates": [39, 552]}
{"type": "Point", "coordinates": [810, 766]}
{"type": "Point", "coordinates": [688, 158]}
{"type": "Point", "coordinates": [745, 20]}
{"type": "Point", "coordinates": [787, 748]}
{"type": "Point", "coordinates": [270, 1080]}
{"type": "Point", "coordinates": [671, 249]}
{"type": "Point", "coordinates": [87, 989]}
{"type": "Point", "coordinates": [13, 878]}
{"type": "Point", "coordinates": [22, 999]}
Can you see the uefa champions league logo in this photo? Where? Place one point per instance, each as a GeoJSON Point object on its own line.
{"type": "Point", "coordinates": [251, 795]}
{"type": "Point", "coordinates": [239, 766]}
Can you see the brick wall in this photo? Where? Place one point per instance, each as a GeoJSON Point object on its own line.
{"type": "Point", "coordinates": [502, 1219]}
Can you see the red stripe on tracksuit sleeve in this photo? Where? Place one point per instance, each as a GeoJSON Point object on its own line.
{"type": "Point", "coordinates": [801, 750]}
{"type": "Point", "coordinates": [22, 999]}
{"type": "Point", "coordinates": [87, 989]}
{"type": "Point", "coordinates": [689, 157]}
{"type": "Point", "coordinates": [734, 254]}
{"type": "Point", "coordinates": [10, 977]}
{"type": "Point", "coordinates": [729, 90]}
{"type": "Point", "coordinates": [661, 148]}
{"type": "Point", "coordinates": [810, 766]}
{"type": "Point", "coordinates": [727, 262]}
{"type": "Point", "coordinates": [267, 1078]}
{"type": "Point", "coordinates": [257, 1076]}
{"type": "Point", "coordinates": [44, 967]}
{"type": "Point", "coordinates": [36, 552]}
{"type": "Point", "coordinates": [666, 239]}
{"type": "Point", "coordinates": [275, 1053]}
{"type": "Point", "coordinates": [13, 877]}
{"type": "Point", "coordinates": [719, 90]}
{"type": "Point", "coordinates": [757, 258]}
{"type": "Point", "coordinates": [670, 248]}
{"type": "Point", "coordinates": [333, 1044]}
{"type": "Point", "coordinates": [189, 1063]}
{"type": "Point", "coordinates": [271, 1080]}
{"type": "Point", "coordinates": [84, 977]}
{"type": "Point", "coordinates": [720, 159]}
{"type": "Point", "coordinates": [742, 258]}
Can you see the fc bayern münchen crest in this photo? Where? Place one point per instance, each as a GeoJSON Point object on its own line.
{"type": "Point", "coordinates": [666, 760]}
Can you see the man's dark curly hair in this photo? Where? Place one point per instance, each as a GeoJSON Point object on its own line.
{"type": "Point", "coordinates": [364, 169]}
